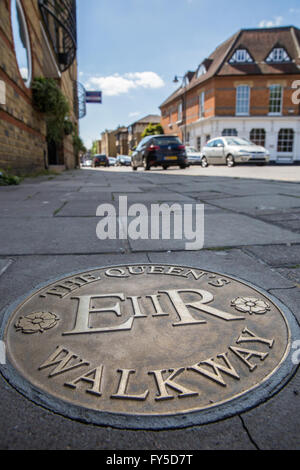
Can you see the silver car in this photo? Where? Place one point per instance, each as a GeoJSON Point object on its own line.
{"type": "Point", "coordinates": [193, 156]}
{"type": "Point", "coordinates": [231, 150]}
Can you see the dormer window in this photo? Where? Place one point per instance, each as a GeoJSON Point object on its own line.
{"type": "Point", "coordinates": [241, 56]}
{"type": "Point", "coordinates": [201, 70]}
{"type": "Point", "coordinates": [278, 55]}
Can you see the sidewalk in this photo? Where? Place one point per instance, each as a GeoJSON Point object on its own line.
{"type": "Point", "coordinates": [252, 231]}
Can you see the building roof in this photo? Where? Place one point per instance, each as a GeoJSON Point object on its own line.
{"type": "Point", "coordinates": [150, 118]}
{"type": "Point", "coordinates": [120, 130]}
{"type": "Point", "coordinates": [258, 43]}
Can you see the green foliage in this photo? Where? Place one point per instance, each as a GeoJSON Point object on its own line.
{"type": "Point", "coordinates": [49, 100]}
{"type": "Point", "coordinates": [6, 179]}
{"type": "Point", "coordinates": [68, 127]}
{"type": "Point", "coordinates": [78, 144]}
{"type": "Point", "coordinates": [94, 148]}
{"type": "Point", "coordinates": [153, 129]}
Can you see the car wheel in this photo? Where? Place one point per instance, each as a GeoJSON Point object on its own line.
{"type": "Point", "coordinates": [146, 165]}
{"type": "Point", "coordinates": [230, 161]}
{"type": "Point", "coordinates": [204, 162]}
{"type": "Point", "coordinates": [134, 168]}
{"type": "Point", "coordinates": [183, 167]}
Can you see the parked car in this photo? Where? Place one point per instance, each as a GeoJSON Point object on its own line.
{"type": "Point", "coordinates": [87, 163]}
{"type": "Point", "coordinates": [123, 160]}
{"type": "Point", "coordinates": [112, 161]}
{"type": "Point", "coordinates": [100, 160]}
{"type": "Point", "coordinates": [159, 150]}
{"type": "Point", "coordinates": [231, 150]}
{"type": "Point", "coordinates": [193, 156]}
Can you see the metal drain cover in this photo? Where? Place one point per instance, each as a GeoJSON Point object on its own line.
{"type": "Point", "coordinates": [148, 346]}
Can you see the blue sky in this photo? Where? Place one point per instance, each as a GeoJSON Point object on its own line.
{"type": "Point", "coordinates": [132, 49]}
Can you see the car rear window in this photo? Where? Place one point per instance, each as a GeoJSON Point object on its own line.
{"type": "Point", "coordinates": [167, 141]}
{"type": "Point", "coordinates": [101, 157]}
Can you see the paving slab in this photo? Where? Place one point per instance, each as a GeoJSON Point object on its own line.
{"type": "Point", "coordinates": [282, 411]}
{"type": "Point", "coordinates": [48, 431]}
{"type": "Point", "coordinates": [30, 208]}
{"type": "Point", "coordinates": [86, 208]}
{"type": "Point", "coordinates": [26, 272]}
{"type": "Point", "coordinates": [220, 229]}
{"type": "Point", "coordinates": [282, 415]}
{"type": "Point", "coordinates": [154, 197]}
{"type": "Point", "coordinates": [293, 274]}
{"type": "Point", "coordinates": [291, 298]}
{"type": "Point", "coordinates": [115, 188]}
{"type": "Point", "coordinates": [232, 262]}
{"type": "Point", "coordinates": [258, 203]}
{"type": "Point", "coordinates": [235, 230]}
{"type": "Point", "coordinates": [277, 255]}
{"type": "Point", "coordinates": [54, 235]}
{"type": "Point", "coordinates": [5, 263]}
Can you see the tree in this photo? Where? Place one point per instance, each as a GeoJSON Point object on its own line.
{"type": "Point", "coordinates": [94, 147]}
{"type": "Point", "coordinates": [153, 129]}
{"type": "Point", "coordinates": [78, 144]}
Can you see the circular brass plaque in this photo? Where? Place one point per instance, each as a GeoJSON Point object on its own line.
{"type": "Point", "coordinates": [148, 346]}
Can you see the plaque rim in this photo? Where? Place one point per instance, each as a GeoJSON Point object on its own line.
{"type": "Point", "coordinates": [231, 407]}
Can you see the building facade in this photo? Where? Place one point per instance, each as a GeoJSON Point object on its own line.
{"type": "Point", "coordinates": [108, 143]}
{"type": "Point", "coordinates": [136, 129]}
{"type": "Point", "coordinates": [122, 141]}
{"type": "Point", "coordinates": [37, 39]}
{"type": "Point", "coordinates": [246, 87]}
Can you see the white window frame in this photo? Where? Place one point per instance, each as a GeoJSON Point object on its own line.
{"type": "Point", "coordinates": [258, 135]}
{"type": "Point", "coordinates": [242, 107]}
{"type": "Point", "coordinates": [276, 113]}
{"type": "Point", "coordinates": [241, 56]}
{"type": "Point", "coordinates": [201, 70]}
{"type": "Point", "coordinates": [201, 105]}
{"type": "Point", "coordinates": [180, 111]}
{"type": "Point", "coordinates": [230, 132]}
{"type": "Point", "coordinates": [288, 138]}
{"type": "Point", "coordinates": [278, 55]}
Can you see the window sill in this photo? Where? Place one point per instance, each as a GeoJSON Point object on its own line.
{"type": "Point", "coordinates": [274, 114]}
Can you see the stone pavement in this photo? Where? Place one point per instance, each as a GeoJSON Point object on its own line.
{"type": "Point", "coordinates": [252, 231]}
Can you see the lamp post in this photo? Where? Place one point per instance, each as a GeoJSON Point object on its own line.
{"type": "Point", "coordinates": [176, 80]}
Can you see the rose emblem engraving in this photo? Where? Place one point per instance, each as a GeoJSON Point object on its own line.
{"type": "Point", "coordinates": [251, 305]}
{"type": "Point", "coordinates": [37, 322]}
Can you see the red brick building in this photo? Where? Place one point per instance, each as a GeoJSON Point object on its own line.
{"type": "Point", "coordinates": [37, 39]}
{"type": "Point", "coordinates": [245, 88]}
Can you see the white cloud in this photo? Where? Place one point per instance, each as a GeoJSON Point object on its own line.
{"type": "Point", "coordinates": [134, 114]}
{"type": "Point", "coordinates": [114, 85]}
{"type": "Point", "coordinates": [277, 21]}
{"type": "Point", "coordinates": [294, 10]}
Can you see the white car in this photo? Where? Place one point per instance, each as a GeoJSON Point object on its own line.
{"type": "Point", "coordinates": [231, 150]}
{"type": "Point", "coordinates": [87, 163]}
{"type": "Point", "coordinates": [194, 157]}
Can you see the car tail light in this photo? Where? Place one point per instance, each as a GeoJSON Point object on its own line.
{"type": "Point", "coordinates": [181, 147]}
{"type": "Point", "coordinates": [153, 147]}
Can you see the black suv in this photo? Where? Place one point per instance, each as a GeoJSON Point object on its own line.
{"type": "Point", "coordinates": [159, 150]}
{"type": "Point", "coordinates": [100, 160]}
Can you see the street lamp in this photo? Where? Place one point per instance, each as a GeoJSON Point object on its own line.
{"type": "Point", "coordinates": [176, 80]}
